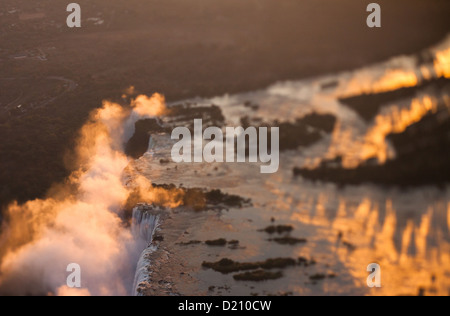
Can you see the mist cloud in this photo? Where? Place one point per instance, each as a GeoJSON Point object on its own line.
{"type": "Point", "coordinates": [80, 222]}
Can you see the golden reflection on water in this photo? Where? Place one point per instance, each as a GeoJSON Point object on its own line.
{"type": "Point", "coordinates": [367, 81]}
{"type": "Point", "coordinates": [411, 247]}
{"type": "Point", "coordinates": [395, 121]}
{"type": "Point", "coordinates": [392, 119]}
{"type": "Point", "coordinates": [393, 80]}
{"type": "Point", "coordinates": [442, 63]}
{"type": "Point", "coordinates": [347, 142]}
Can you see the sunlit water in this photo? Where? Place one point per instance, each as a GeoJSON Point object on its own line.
{"type": "Point", "coordinates": [143, 226]}
{"type": "Point", "coordinates": [405, 231]}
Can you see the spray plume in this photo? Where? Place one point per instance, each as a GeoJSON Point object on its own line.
{"type": "Point", "coordinates": [79, 222]}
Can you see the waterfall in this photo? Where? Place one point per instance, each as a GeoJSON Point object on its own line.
{"type": "Point", "coordinates": [141, 276]}
{"type": "Point", "coordinates": [144, 223]}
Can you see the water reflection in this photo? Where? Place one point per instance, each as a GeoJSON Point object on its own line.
{"type": "Point", "coordinates": [442, 63]}
{"type": "Point", "coordinates": [407, 232]}
{"type": "Point", "coordinates": [393, 119]}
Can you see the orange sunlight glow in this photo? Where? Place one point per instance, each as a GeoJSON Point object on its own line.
{"type": "Point", "coordinates": [149, 106]}
{"type": "Point", "coordinates": [393, 80]}
{"type": "Point", "coordinates": [442, 63]}
{"type": "Point", "coordinates": [407, 250]}
{"type": "Point", "coordinates": [67, 291]}
{"type": "Point", "coordinates": [79, 223]}
{"type": "Point", "coordinates": [394, 122]}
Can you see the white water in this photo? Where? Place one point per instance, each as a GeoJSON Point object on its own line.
{"type": "Point", "coordinates": [143, 226]}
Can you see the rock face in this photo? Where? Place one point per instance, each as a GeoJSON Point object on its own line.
{"type": "Point", "coordinates": [138, 144]}
{"type": "Point", "coordinates": [423, 156]}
